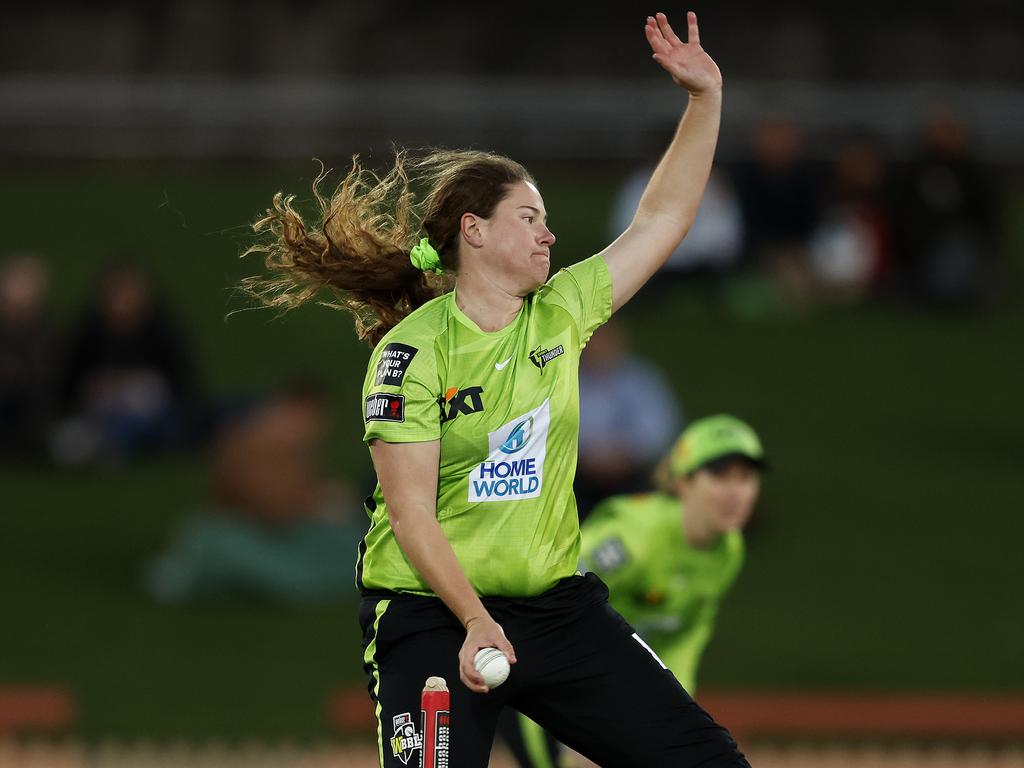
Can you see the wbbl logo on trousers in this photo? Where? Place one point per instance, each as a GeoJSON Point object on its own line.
{"type": "Point", "coordinates": [406, 740]}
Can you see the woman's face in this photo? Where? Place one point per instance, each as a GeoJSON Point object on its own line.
{"type": "Point", "coordinates": [722, 498]}
{"type": "Point", "coordinates": [516, 242]}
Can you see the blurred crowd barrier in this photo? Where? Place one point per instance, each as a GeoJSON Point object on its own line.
{"type": "Point", "coordinates": [43, 754]}
{"type": "Point", "coordinates": [796, 730]}
{"type": "Point", "coordinates": [572, 118]}
{"type": "Point", "coordinates": [214, 79]}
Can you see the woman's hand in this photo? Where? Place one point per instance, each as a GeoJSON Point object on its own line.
{"type": "Point", "coordinates": [689, 64]}
{"type": "Point", "coordinates": [482, 632]}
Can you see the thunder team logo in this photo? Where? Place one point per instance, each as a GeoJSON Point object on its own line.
{"type": "Point", "coordinates": [514, 468]}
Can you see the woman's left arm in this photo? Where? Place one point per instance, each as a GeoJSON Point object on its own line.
{"type": "Point", "coordinates": [670, 201]}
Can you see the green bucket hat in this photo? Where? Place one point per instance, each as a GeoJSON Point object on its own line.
{"type": "Point", "coordinates": [714, 437]}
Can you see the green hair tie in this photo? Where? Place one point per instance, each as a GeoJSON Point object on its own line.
{"type": "Point", "coordinates": [424, 257]}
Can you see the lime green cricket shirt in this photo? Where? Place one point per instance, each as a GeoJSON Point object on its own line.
{"type": "Point", "coordinates": [505, 406]}
{"type": "Point", "coordinates": [665, 587]}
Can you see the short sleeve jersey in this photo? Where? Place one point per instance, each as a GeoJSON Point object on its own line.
{"type": "Point", "coordinates": [665, 587]}
{"type": "Point", "coordinates": [505, 407]}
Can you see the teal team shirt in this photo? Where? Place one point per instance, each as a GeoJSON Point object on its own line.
{"type": "Point", "coordinates": [505, 406]}
{"type": "Point", "coordinates": [665, 587]}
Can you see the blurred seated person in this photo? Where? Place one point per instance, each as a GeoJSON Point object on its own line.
{"type": "Point", "coordinates": [27, 355]}
{"type": "Point", "coordinates": [778, 191]}
{"type": "Point", "coordinates": [946, 211]}
{"type": "Point", "coordinates": [850, 248]}
{"type": "Point", "coordinates": [628, 417]}
{"type": "Point", "coordinates": [275, 528]}
{"type": "Point", "coordinates": [126, 386]}
{"type": "Point", "coordinates": [713, 244]}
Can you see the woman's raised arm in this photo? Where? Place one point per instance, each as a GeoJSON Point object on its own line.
{"type": "Point", "coordinates": [670, 201]}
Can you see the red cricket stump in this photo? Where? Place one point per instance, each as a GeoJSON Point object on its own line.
{"type": "Point", "coordinates": [435, 723]}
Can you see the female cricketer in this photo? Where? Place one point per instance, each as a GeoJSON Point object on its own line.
{"type": "Point", "coordinates": [668, 557]}
{"type": "Point", "coordinates": [471, 415]}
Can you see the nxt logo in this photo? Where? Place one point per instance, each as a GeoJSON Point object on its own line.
{"type": "Point", "coordinates": [541, 357]}
{"type": "Point", "coordinates": [456, 401]}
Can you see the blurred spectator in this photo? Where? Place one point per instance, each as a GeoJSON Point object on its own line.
{"type": "Point", "coordinates": [628, 417]}
{"type": "Point", "coordinates": [27, 354]}
{"type": "Point", "coordinates": [778, 191]}
{"type": "Point", "coordinates": [946, 212]}
{"type": "Point", "coordinates": [275, 528]}
{"type": "Point", "coordinates": [713, 243]}
{"type": "Point", "coordinates": [850, 248]}
{"type": "Point", "coordinates": [126, 386]}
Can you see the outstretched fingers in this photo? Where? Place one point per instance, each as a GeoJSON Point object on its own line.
{"type": "Point", "coordinates": [687, 62]}
{"type": "Point", "coordinates": [655, 38]}
{"type": "Point", "coordinates": [692, 31]}
{"type": "Point", "coordinates": [666, 30]}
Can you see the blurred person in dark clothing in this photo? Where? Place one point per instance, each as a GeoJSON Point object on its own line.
{"type": "Point", "coordinates": [274, 528]}
{"type": "Point", "coordinates": [945, 212]}
{"type": "Point", "coordinates": [27, 357]}
{"type": "Point", "coordinates": [620, 441]}
{"type": "Point", "coordinates": [779, 194]}
{"type": "Point", "coordinates": [850, 249]}
{"type": "Point", "coordinates": [126, 386]}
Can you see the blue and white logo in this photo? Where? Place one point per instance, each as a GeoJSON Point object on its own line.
{"type": "Point", "coordinates": [514, 468]}
{"type": "Point", "coordinates": [519, 437]}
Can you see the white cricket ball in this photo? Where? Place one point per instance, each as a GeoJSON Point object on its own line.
{"type": "Point", "coordinates": [493, 665]}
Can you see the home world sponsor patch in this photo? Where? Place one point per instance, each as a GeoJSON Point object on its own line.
{"type": "Point", "coordinates": [393, 363]}
{"type": "Point", "coordinates": [406, 740]}
{"type": "Point", "coordinates": [514, 468]}
{"type": "Point", "coordinates": [385, 407]}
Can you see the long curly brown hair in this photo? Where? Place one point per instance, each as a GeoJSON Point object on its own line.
{"type": "Point", "coordinates": [359, 248]}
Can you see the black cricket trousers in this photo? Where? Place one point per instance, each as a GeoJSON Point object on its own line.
{"type": "Point", "coordinates": [582, 673]}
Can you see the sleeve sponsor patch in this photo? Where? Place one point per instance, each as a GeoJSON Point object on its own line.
{"type": "Point", "coordinates": [609, 555]}
{"type": "Point", "coordinates": [385, 407]}
{"type": "Point", "coordinates": [393, 363]}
